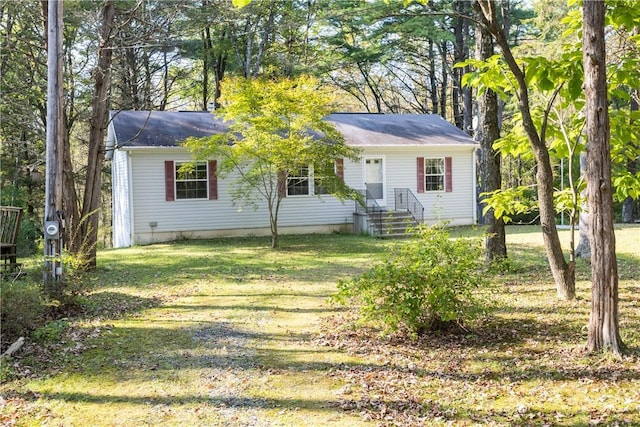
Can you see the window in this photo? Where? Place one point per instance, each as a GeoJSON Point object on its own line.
{"type": "Point", "coordinates": [309, 180]}
{"type": "Point", "coordinates": [319, 186]}
{"type": "Point", "coordinates": [298, 182]}
{"type": "Point", "coordinates": [434, 174]}
{"type": "Point", "coordinates": [321, 176]}
{"type": "Point", "coordinates": [191, 180]}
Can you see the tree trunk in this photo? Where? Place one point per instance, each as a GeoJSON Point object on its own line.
{"type": "Point", "coordinates": [603, 323]}
{"type": "Point", "coordinates": [487, 132]}
{"type": "Point", "coordinates": [629, 203]}
{"type": "Point", "coordinates": [584, 249]}
{"type": "Point", "coordinates": [433, 82]}
{"type": "Point", "coordinates": [444, 83]}
{"type": "Point", "coordinates": [91, 202]}
{"type": "Point", "coordinates": [563, 272]}
{"type": "Point", "coordinates": [458, 56]}
{"type": "Point", "coordinates": [628, 206]}
{"type": "Point", "coordinates": [206, 48]}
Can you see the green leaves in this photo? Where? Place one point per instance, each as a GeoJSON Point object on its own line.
{"type": "Point", "coordinates": [507, 203]}
{"type": "Point", "coordinates": [492, 74]}
{"type": "Point", "coordinates": [626, 185]}
{"type": "Point", "coordinates": [425, 284]}
{"type": "Point", "coordinates": [275, 127]}
{"type": "Point", "coordinates": [241, 3]}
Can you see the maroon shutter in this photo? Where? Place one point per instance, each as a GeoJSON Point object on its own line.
{"type": "Point", "coordinates": [282, 184]}
{"type": "Point", "coordinates": [448, 175]}
{"type": "Point", "coordinates": [420, 174]}
{"type": "Point", "coordinates": [169, 181]}
{"type": "Point", "coordinates": [340, 168]}
{"type": "Point", "coordinates": [213, 179]}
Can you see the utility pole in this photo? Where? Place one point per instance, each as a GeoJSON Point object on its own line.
{"type": "Point", "coordinates": [53, 217]}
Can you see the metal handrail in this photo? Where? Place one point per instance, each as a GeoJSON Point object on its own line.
{"type": "Point", "coordinates": [405, 199]}
{"type": "Point", "coordinates": [370, 207]}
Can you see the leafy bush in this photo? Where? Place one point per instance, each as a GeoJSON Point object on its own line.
{"type": "Point", "coordinates": [429, 283]}
{"type": "Point", "coordinates": [22, 308]}
{"type": "Point", "coordinates": [76, 282]}
{"type": "Point", "coordinates": [29, 236]}
{"type": "Point", "coordinates": [51, 332]}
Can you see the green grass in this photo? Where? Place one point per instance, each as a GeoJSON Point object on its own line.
{"type": "Point", "coordinates": [229, 332]}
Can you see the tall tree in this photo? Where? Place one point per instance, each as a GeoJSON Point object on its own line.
{"type": "Point", "coordinates": [461, 95]}
{"type": "Point", "coordinates": [84, 216]}
{"type": "Point", "coordinates": [145, 55]}
{"type": "Point", "coordinates": [603, 324]}
{"type": "Point", "coordinates": [23, 77]}
{"type": "Point", "coordinates": [563, 272]}
{"type": "Point", "coordinates": [487, 132]}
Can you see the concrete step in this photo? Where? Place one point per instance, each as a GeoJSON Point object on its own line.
{"type": "Point", "coordinates": [391, 224]}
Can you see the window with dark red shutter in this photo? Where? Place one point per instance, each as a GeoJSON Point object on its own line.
{"type": "Point", "coordinates": [420, 170]}
{"type": "Point", "coordinates": [169, 181]}
{"type": "Point", "coordinates": [340, 168]}
{"type": "Point", "coordinates": [448, 175]}
{"type": "Point", "coordinates": [213, 179]}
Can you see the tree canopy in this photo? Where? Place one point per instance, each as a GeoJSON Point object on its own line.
{"type": "Point", "coordinates": [276, 129]}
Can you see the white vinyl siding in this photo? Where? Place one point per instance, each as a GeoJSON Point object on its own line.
{"type": "Point", "coordinates": [121, 200]}
{"type": "Point", "coordinates": [455, 207]}
{"type": "Point", "coordinates": [194, 217]}
{"type": "Point", "coordinates": [143, 179]}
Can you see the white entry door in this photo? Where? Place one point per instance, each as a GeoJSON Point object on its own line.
{"type": "Point", "coordinates": [374, 178]}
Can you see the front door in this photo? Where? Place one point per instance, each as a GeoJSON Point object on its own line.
{"type": "Point", "coordinates": [374, 179]}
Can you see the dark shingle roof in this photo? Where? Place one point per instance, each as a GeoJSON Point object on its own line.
{"type": "Point", "coordinates": [162, 128]}
{"type": "Point", "coordinates": [398, 129]}
{"type": "Point", "coordinates": [169, 128]}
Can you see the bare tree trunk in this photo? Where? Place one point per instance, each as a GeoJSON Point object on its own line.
{"type": "Point", "coordinates": [445, 82]}
{"type": "Point", "coordinates": [584, 249]}
{"type": "Point", "coordinates": [458, 56]}
{"type": "Point", "coordinates": [604, 331]}
{"type": "Point", "coordinates": [433, 82]}
{"type": "Point", "coordinates": [487, 132]}
{"type": "Point", "coordinates": [563, 272]}
{"type": "Point", "coordinates": [206, 41]}
{"type": "Point", "coordinates": [629, 203]}
{"type": "Point", "coordinates": [91, 202]}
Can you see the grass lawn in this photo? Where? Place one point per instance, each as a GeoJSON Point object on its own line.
{"type": "Point", "coordinates": [230, 333]}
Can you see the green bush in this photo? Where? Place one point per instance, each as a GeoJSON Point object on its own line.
{"type": "Point", "coordinates": [22, 309]}
{"type": "Point", "coordinates": [29, 236]}
{"type": "Point", "coordinates": [429, 283]}
{"type": "Point", "coordinates": [52, 331]}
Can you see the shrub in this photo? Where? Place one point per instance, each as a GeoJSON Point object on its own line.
{"type": "Point", "coordinates": [22, 309]}
{"type": "Point", "coordinates": [51, 332]}
{"type": "Point", "coordinates": [429, 283]}
{"type": "Point", "coordinates": [29, 236]}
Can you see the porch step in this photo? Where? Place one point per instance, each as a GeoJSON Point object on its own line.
{"type": "Point", "coordinates": [391, 224]}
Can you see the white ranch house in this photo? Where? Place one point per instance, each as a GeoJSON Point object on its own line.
{"type": "Point", "coordinates": [408, 162]}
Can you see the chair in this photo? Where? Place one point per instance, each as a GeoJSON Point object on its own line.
{"type": "Point", "coordinates": [10, 218]}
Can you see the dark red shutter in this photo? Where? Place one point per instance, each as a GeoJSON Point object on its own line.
{"type": "Point", "coordinates": [420, 174]}
{"type": "Point", "coordinates": [213, 179]}
{"type": "Point", "coordinates": [340, 168]}
{"type": "Point", "coordinates": [448, 175]}
{"type": "Point", "coordinates": [169, 181]}
{"type": "Point", "coordinates": [282, 184]}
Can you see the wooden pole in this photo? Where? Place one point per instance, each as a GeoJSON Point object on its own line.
{"type": "Point", "coordinates": [54, 141]}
